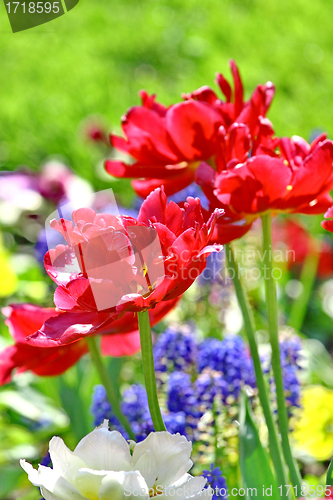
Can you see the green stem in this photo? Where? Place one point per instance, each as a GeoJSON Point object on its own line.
{"type": "Point", "coordinates": [274, 444]}
{"type": "Point", "coordinates": [111, 392]}
{"type": "Point", "coordinates": [307, 278]}
{"type": "Point", "coordinates": [149, 370]}
{"type": "Point", "coordinates": [272, 317]}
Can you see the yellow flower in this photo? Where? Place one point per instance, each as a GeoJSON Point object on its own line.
{"type": "Point", "coordinates": [313, 432]}
{"type": "Point", "coordinates": [8, 279]}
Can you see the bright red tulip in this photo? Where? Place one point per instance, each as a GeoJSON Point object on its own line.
{"type": "Point", "coordinates": [23, 320]}
{"type": "Point", "coordinates": [298, 181]}
{"type": "Point", "coordinates": [168, 143]}
{"type": "Point", "coordinates": [121, 338]}
{"type": "Point", "coordinates": [115, 265]}
{"type": "Point", "coordinates": [234, 109]}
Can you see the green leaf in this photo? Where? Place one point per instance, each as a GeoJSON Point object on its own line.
{"type": "Point", "coordinates": [33, 405]}
{"type": "Point", "coordinates": [76, 407]}
{"type": "Point", "coordinates": [329, 478]}
{"type": "Point", "coordinates": [258, 478]}
{"type": "Point", "coordinates": [14, 483]}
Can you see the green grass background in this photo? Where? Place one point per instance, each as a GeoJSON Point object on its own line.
{"type": "Point", "coordinates": [94, 60]}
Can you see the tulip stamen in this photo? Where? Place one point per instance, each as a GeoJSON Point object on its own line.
{"type": "Point", "coordinates": [145, 273]}
{"type": "Point", "coordinates": [155, 491]}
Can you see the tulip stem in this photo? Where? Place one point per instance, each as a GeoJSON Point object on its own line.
{"type": "Point", "coordinates": [149, 370]}
{"type": "Point", "coordinates": [272, 318]}
{"type": "Point", "coordinates": [274, 444]}
{"type": "Point", "coordinates": [107, 382]}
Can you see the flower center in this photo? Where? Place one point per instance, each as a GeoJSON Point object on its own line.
{"type": "Point", "coordinates": [155, 490]}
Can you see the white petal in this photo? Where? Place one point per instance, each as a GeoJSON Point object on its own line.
{"type": "Point", "coordinates": [88, 482]}
{"type": "Point", "coordinates": [146, 465]}
{"type": "Point", "coordinates": [183, 480]}
{"type": "Point", "coordinates": [171, 456]}
{"type": "Point", "coordinates": [124, 486]}
{"type": "Point", "coordinates": [47, 495]}
{"type": "Point", "coordinates": [194, 486]}
{"type": "Point", "coordinates": [104, 450]}
{"type": "Point", "coordinates": [64, 461]}
{"type": "Point", "coordinates": [187, 487]}
{"type": "Point", "coordinates": [32, 473]}
{"type": "Point", "coordinates": [52, 482]}
{"type": "Point", "coordinates": [206, 494]}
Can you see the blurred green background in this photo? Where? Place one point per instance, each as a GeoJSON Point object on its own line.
{"type": "Point", "coordinates": [94, 60]}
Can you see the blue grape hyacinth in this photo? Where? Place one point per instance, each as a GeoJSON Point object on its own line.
{"type": "Point", "coordinates": [193, 377]}
{"type": "Point", "coordinates": [181, 394]}
{"type": "Point", "coordinates": [213, 272]}
{"type": "Point", "coordinates": [134, 406]}
{"type": "Point", "coordinates": [176, 349]}
{"type": "Point", "coordinates": [217, 482]}
{"type": "Point", "coordinates": [291, 357]}
{"type": "Point", "coordinates": [101, 408]}
{"type": "Point", "coordinates": [291, 362]}
{"type": "Point", "coordinates": [230, 358]}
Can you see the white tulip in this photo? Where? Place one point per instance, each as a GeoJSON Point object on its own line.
{"type": "Point", "coordinates": [104, 466]}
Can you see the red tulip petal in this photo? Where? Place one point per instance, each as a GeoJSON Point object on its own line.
{"type": "Point", "coordinates": [239, 90]}
{"type": "Point", "coordinates": [121, 344]}
{"type": "Point", "coordinates": [64, 301]}
{"type": "Point", "coordinates": [147, 136]}
{"type": "Point", "coordinates": [204, 94]}
{"type": "Point", "coordinates": [174, 218]}
{"type": "Point", "coordinates": [45, 362]}
{"type": "Point", "coordinates": [315, 207]}
{"type": "Point", "coordinates": [24, 319]}
{"type": "Point", "coordinates": [273, 175]}
{"type": "Point", "coordinates": [153, 207]}
{"type": "Point", "coordinates": [227, 232]}
{"type": "Point", "coordinates": [224, 86]}
{"type": "Point", "coordinates": [67, 328]}
{"type": "Point", "coordinates": [316, 173]}
{"type": "Point", "coordinates": [192, 126]}
{"type": "Point", "coordinates": [128, 171]}
{"type": "Point", "coordinates": [205, 175]}
{"type": "Point", "coordinates": [171, 185]}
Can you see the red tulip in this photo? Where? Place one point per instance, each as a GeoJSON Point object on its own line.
{"type": "Point", "coordinates": [168, 144]}
{"type": "Point", "coordinates": [298, 181]}
{"type": "Point", "coordinates": [23, 320]}
{"type": "Point", "coordinates": [234, 110]}
{"type": "Point", "coordinates": [121, 338]}
{"type": "Point", "coordinates": [115, 265]}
